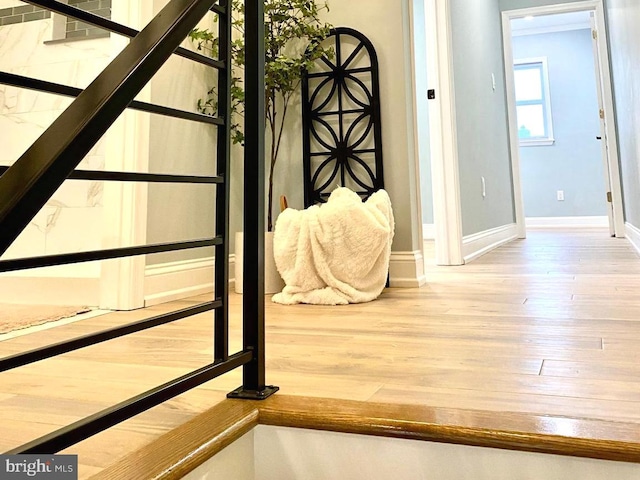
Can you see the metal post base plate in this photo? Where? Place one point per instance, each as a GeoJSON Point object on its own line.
{"type": "Point", "coordinates": [243, 394]}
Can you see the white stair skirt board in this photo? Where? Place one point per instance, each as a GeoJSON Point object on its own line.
{"type": "Point", "coordinates": [561, 222]}
{"type": "Point", "coordinates": [274, 453]}
{"type": "Point", "coordinates": [406, 270]}
{"type": "Point", "coordinates": [633, 234]}
{"type": "Point", "coordinates": [476, 245]}
{"type": "Point", "coordinates": [282, 452]}
{"type": "Point", "coordinates": [170, 281]}
{"type": "Point", "coordinates": [428, 231]}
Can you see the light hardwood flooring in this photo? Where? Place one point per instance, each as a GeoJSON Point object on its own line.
{"type": "Point", "coordinates": [548, 325]}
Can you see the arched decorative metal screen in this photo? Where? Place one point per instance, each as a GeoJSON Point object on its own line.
{"type": "Point", "coordinates": [342, 142]}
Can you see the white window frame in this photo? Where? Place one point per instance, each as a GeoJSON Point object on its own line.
{"type": "Point", "coordinates": [546, 98]}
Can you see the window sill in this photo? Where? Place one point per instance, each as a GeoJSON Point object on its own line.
{"type": "Point", "coordinates": [543, 142]}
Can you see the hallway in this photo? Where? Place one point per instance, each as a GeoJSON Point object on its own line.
{"type": "Point", "coordinates": [547, 326]}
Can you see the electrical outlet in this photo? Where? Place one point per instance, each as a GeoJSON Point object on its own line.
{"type": "Point", "coordinates": [560, 195]}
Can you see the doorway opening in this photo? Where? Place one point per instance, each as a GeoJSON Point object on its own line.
{"type": "Point", "coordinates": [560, 105]}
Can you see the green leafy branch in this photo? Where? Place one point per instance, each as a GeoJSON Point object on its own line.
{"type": "Point", "coordinates": [294, 35]}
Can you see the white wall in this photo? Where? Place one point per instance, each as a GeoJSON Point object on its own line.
{"type": "Point", "coordinates": [72, 219]}
{"type": "Point", "coordinates": [11, 3]}
{"type": "Point", "coordinates": [235, 462]}
{"type": "Point", "coordinates": [624, 17]}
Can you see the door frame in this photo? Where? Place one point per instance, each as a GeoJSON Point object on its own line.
{"type": "Point", "coordinates": [612, 160]}
{"type": "Point", "coordinates": [447, 208]}
{"type": "Point", "coordinates": [125, 203]}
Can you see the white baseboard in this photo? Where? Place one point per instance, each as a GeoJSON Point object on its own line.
{"type": "Point", "coordinates": [171, 281]}
{"type": "Point", "coordinates": [633, 234]}
{"type": "Point", "coordinates": [476, 245]}
{"type": "Point", "coordinates": [428, 231]}
{"type": "Point", "coordinates": [559, 222]}
{"type": "Point", "coordinates": [43, 290]}
{"type": "Point", "coordinates": [406, 270]}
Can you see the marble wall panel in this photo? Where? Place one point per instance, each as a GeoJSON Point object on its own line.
{"type": "Point", "coordinates": [72, 219]}
{"type": "Point", "coordinates": [11, 3]}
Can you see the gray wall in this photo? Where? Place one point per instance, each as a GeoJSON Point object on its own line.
{"type": "Point", "coordinates": [483, 139]}
{"type": "Point", "coordinates": [624, 18]}
{"type": "Point", "coordinates": [574, 162]}
{"type": "Point", "coordinates": [180, 212]}
{"type": "Point", "coordinates": [387, 24]}
{"type": "Point", "coordinates": [422, 110]}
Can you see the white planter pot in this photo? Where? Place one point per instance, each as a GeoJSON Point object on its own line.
{"type": "Point", "coordinates": [273, 283]}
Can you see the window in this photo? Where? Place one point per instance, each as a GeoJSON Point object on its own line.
{"type": "Point", "coordinates": [66, 28]}
{"type": "Point", "coordinates": [532, 102]}
{"type": "Point", "coordinates": [77, 29]}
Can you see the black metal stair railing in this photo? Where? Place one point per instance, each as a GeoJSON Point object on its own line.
{"type": "Point", "coordinates": [27, 185]}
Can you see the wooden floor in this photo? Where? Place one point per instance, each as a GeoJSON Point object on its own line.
{"type": "Point", "coordinates": [549, 325]}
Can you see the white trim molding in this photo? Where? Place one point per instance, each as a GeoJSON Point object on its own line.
{"type": "Point", "coordinates": [171, 281]}
{"type": "Point", "coordinates": [447, 209]}
{"type": "Point", "coordinates": [521, 32]}
{"type": "Point", "coordinates": [477, 244]}
{"type": "Point", "coordinates": [514, 140]}
{"type": "Point", "coordinates": [428, 231]}
{"type": "Point", "coordinates": [633, 234]}
{"type": "Point", "coordinates": [406, 270]}
{"type": "Point", "coordinates": [573, 222]}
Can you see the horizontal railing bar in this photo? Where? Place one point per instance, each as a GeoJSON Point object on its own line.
{"type": "Point", "coordinates": [90, 256]}
{"type": "Point", "coordinates": [106, 24]}
{"type": "Point", "coordinates": [175, 113]}
{"type": "Point", "coordinates": [98, 422]}
{"type": "Point", "coordinates": [107, 176]}
{"type": "Point", "coordinates": [34, 177]}
{"type": "Point", "coordinates": [14, 80]}
{"type": "Point", "coordinates": [220, 10]}
{"type": "Point", "coordinates": [343, 112]}
{"type": "Point", "coordinates": [328, 194]}
{"type": "Point", "coordinates": [330, 72]}
{"type": "Point", "coordinates": [365, 150]}
{"type": "Point", "coordinates": [56, 88]}
{"type": "Point", "coordinates": [42, 353]}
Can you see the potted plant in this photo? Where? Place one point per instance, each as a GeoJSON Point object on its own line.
{"type": "Point", "coordinates": [293, 42]}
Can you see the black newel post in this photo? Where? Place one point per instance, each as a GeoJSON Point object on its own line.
{"type": "Point", "coordinates": [254, 386]}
